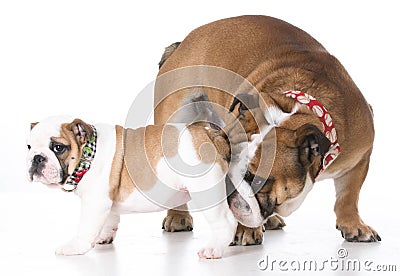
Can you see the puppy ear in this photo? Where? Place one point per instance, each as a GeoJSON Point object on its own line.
{"type": "Point", "coordinates": [247, 101]}
{"type": "Point", "coordinates": [33, 125]}
{"type": "Point", "coordinates": [311, 143]}
{"type": "Point", "coordinates": [82, 131]}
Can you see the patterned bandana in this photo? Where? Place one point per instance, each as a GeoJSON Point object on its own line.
{"type": "Point", "coordinates": [83, 166]}
{"type": "Point", "coordinates": [329, 128]}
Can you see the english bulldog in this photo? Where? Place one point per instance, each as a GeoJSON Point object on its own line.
{"type": "Point", "coordinates": [322, 125]}
{"type": "Point", "coordinates": [116, 170]}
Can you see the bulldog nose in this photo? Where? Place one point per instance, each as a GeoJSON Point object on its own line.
{"type": "Point", "coordinates": [38, 159]}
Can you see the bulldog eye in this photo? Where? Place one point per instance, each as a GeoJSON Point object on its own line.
{"type": "Point", "coordinates": [29, 147]}
{"type": "Point", "coordinates": [59, 148]}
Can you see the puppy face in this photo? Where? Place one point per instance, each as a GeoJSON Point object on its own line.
{"type": "Point", "coordinates": [54, 149]}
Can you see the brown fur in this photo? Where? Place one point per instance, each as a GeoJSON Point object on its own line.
{"type": "Point", "coordinates": [209, 150]}
{"type": "Point", "coordinates": [138, 152]}
{"type": "Point", "coordinates": [121, 184]}
{"type": "Point", "coordinates": [73, 135]}
{"type": "Point", "coordinates": [275, 57]}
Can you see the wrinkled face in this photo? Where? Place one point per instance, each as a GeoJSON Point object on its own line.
{"type": "Point", "coordinates": [282, 186]}
{"type": "Point", "coordinates": [282, 160]}
{"type": "Point", "coordinates": [54, 149]}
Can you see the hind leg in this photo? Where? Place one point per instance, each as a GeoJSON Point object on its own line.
{"type": "Point", "coordinates": [178, 220]}
{"type": "Point", "coordinates": [109, 230]}
{"type": "Point", "coordinates": [348, 220]}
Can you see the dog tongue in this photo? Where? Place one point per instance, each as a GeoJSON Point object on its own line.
{"type": "Point", "coordinates": [243, 204]}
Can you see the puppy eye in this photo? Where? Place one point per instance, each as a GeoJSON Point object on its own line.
{"type": "Point", "coordinates": [29, 147]}
{"type": "Point", "coordinates": [59, 148]}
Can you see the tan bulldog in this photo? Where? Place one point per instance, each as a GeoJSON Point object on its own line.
{"type": "Point", "coordinates": [279, 60]}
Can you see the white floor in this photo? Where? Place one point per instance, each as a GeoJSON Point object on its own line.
{"type": "Point", "coordinates": [33, 225]}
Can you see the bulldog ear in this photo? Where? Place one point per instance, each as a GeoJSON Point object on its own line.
{"type": "Point", "coordinates": [311, 143]}
{"type": "Point", "coordinates": [82, 131]}
{"type": "Point", "coordinates": [247, 101]}
{"type": "Point", "coordinates": [33, 125]}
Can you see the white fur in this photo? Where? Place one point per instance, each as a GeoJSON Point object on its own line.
{"type": "Point", "coordinates": [275, 116]}
{"type": "Point", "coordinates": [93, 190]}
{"type": "Point", "coordinates": [289, 206]}
{"type": "Point", "coordinates": [237, 169]}
{"type": "Point", "coordinates": [39, 141]}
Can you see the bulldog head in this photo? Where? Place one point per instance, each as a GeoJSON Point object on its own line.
{"type": "Point", "coordinates": [54, 148]}
{"type": "Point", "coordinates": [284, 156]}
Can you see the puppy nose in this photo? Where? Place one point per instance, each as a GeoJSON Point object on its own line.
{"type": "Point", "coordinates": [38, 159]}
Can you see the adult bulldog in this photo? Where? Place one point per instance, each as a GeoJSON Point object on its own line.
{"type": "Point", "coordinates": [323, 125]}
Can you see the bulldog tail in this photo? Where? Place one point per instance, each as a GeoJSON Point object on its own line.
{"type": "Point", "coordinates": [167, 53]}
{"type": "Point", "coordinates": [200, 110]}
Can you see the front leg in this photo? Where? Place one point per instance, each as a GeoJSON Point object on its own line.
{"type": "Point", "coordinates": [348, 221]}
{"type": "Point", "coordinates": [94, 212]}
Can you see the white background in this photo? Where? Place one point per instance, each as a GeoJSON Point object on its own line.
{"type": "Point", "coordinates": [90, 58]}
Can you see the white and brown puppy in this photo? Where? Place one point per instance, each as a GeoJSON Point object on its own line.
{"type": "Point", "coordinates": [299, 82]}
{"type": "Point", "coordinates": [115, 170]}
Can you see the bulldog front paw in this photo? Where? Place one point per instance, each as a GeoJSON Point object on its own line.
{"type": "Point", "coordinates": [358, 232]}
{"type": "Point", "coordinates": [210, 253]}
{"type": "Point", "coordinates": [178, 222]}
{"type": "Point", "coordinates": [248, 236]}
{"type": "Point", "coordinates": [274, 222]}
{"type": "Point", "coordinates": [74, 247]}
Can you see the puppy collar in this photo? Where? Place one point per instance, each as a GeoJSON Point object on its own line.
{"type": "Point", "coordinates": [329, 129]}
{"type": "Point", "coordinates": [83, 166]}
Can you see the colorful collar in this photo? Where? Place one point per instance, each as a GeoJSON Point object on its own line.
{"type": "Point", "coordinates": [88, 152]}
{"type": "Point", "coordinates": [329, 128]}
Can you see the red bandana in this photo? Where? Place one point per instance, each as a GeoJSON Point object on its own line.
{"type": "Point", "coordinates": [329, 128]}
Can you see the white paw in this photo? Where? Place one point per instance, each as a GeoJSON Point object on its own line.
{"type": "Point", "coordinates": [106, 238]}
{"type": "Point", "coordinates": [210, 253]}
{"type": "Point", "coordinates": [74, 247]}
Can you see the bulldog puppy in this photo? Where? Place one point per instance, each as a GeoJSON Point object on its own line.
{"type": "Point", "coordinates": [314, 120]}
{"type": "Point", "coordinates": [116, 171]}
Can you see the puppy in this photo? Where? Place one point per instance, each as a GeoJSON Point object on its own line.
{"type": "Point", "coordinates": [116, 171]}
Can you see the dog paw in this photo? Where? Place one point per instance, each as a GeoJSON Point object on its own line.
{"type": "Point", "coordinates": [274, 222]}
{"type": "Point", "coordinates": [248, 236]}
{"type": "Point", "coordinates": [74, 247]}
{"type": "Point", "coordinates": [358, 232]}
{"type": "Point", "coordinates": [178, 222]}
{"type": "Point", "coordinates": [210, 253]}
{"type": "Point", "coordinates": [107, 237]}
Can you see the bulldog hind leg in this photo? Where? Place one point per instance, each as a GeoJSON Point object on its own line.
{"type": "Point", "coordinates": [178, 220]}
{"type": "Point", "coordinates": [348, 221]}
